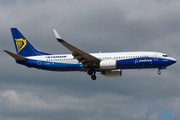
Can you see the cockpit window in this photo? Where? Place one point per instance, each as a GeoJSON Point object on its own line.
{"type": "Point", "coordinates": [165, 55]}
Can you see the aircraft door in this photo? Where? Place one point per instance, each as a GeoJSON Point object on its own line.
{"type": "Point", "coordinates": [39, 62]}
{"type": "Point", "coordinates": [155, 57]}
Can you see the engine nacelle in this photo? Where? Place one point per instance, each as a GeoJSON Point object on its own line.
{"type": "Point", "coordinates": [108, 64]}
{"type": "Point", "coordinates": [114, 73]}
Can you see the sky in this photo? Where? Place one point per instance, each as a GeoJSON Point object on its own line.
{"type": "Point", "coordinates": [92, 26]}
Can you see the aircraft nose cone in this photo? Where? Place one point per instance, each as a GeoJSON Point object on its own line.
{"type": "Point", "coordinates": [173, 60]}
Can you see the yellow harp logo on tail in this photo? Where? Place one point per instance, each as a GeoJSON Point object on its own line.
{"type": "Point", "coordinates": [20, 44]}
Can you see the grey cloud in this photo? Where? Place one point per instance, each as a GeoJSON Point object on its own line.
{"type": "Point", "coordinates": [99, 106]}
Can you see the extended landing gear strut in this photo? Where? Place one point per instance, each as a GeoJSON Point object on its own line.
{"type": "Point", "coordinates": [159, 72]}
{"type": "Point", "coordinates": [92, 73]}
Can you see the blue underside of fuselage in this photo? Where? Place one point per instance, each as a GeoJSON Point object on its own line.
{"type": "Point", "coordinates": [132, 63]}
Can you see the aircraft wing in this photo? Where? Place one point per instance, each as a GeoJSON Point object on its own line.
{"type": "Point", "coordinates": [85, 58]}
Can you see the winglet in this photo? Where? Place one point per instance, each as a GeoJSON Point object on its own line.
{"type": "Point", "coordinates": [58, 36]}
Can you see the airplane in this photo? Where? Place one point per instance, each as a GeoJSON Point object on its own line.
{"type": "Point", "coordinates": [109, 64]}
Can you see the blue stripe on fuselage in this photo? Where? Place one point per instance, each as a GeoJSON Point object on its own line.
{"type": "Point", "coordinates": [53, 66]}
{"type": "Point", "coordinates": [144, 62]}
{"type": "Point", "coordinates": [132, 63]}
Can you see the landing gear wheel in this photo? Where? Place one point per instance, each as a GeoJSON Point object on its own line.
{"type": "Point", "coordinates": [93, 77]}
{"type": "Point", "coordinates": [90, 72]}
{"type": "Point", "coordinates": [159, 72]}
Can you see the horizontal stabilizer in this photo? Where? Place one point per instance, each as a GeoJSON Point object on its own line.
{"type": "Point", "coordinates": [15, 56]}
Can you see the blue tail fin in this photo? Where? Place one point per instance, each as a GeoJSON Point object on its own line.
{"type": "Point", "coordinates": [22, 45]}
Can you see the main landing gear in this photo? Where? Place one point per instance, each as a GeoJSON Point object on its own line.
{"type": "Point", "coordinates": [92, 73]}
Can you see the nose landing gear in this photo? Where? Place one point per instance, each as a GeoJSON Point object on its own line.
{"type": "Point", "coordinates": [159, 72]}
{"type": "Point", "coordinates": [161, 68]}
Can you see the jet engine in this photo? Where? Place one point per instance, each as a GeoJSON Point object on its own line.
{"type": "Point", "coordinates": [108, 64]}
{"type": "Point", "coordinates": [113, 73]}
